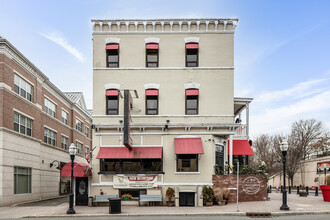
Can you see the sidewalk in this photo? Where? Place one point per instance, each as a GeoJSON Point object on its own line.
{"type": "Point", "coordinates": [298, 205]}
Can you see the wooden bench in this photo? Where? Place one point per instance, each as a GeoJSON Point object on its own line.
{"type": "Point", "coordinates": [150, 198]}
{"type": "Point", "coordinates": [103, 198]}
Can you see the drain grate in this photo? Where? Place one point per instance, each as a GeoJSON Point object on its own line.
{"type": "Point", "coordinates": [259, 214]}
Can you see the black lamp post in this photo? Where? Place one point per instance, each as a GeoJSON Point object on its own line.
{"type": "Point", "coordinates": [284, 148]}
{"type": "Point", "coordinates": [325, 173]}
{"type": "Point", "coordinates": [72, 152]}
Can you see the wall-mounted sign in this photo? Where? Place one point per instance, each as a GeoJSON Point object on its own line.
{"type": "Point", "coordinates": [251, 185]}
{"type": "Point", "coordinates": [126, 182]}
{"type": "Point", "coordinates": [320, 167]}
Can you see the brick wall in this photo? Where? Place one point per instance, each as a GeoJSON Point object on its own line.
{"type": "Point", "coordinates": [251, 187]}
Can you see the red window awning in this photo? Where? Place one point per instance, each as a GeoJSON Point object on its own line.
{"type": "Point", "coordinates": [241, 147]}
{"type": "Point", "coordinates": [152, 46]}
{"type": "Point", "coordinates": [79, 170]}
{"type": "Point", "coordinates": [192, 92]}
{"type": "Point", "coordinates": [112, 46]}
{"type": "Point", "coordinates": [192, 46]}
{"type": "Point", "coordinates": [111, 92]}
{"type": "Point", "coordinates": [188, 146]}
{"type": "Point", "coordinates": [152, 92]}
{"type": "Point", "coordinates": [135, 153]}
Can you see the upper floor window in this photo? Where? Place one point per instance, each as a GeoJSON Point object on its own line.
{"type": "Point", "coordinates": [112, 51]}
{"type": "Point", "coordinates": [112, 98]}
{"type": "Point", "coordinates": [87, 131]}
{"type": "Point", "coordinates": [50, 137]}
{"type": "Point", "coordinates": [65, 117]}
{"type": "Point", "coordinates": [151, 102]}
{"type": "Point", "coordinates": [50, 108]}
{"type": "Point", "coordinates": [23, 88]}
{"type": "Point", "coordinates": [79, 148]}
{"type": "Point", "coordinates": [65, 142]}
{"type": "Point", "coordinates": [192, 101]}
{"type": "Point", "coordinates": [152, 55]}
{"type": "Point", "coordinates": [79, 125]}
{"type": "Point", "coordinates": [22, 124]}
{"type": "Point", "coordinates": [192, 55]}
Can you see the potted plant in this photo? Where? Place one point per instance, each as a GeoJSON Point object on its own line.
{"type": "Point", "coordinates": [326, 189]}
{"type": "Point", "coordinates": [225, 195]}
{"type": "Point", "coordinates": [170, 196]}
{"type": "Point", "coordinates": [208, 195]}
{"type": "Point", "coordinates": [218, 195]}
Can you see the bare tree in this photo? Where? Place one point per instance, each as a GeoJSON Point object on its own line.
{"type": "Point", "coordinates": [322, 145]}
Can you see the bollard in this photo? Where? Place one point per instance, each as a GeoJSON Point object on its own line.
{"type": "Point", "coordinates": [289, 189]}
{"type": "Point", "coordinates": [317, 191]}
{"type": "Point", "coordinates": [307, 190]}
{"type": "Point", "coordinates": [298, 190]}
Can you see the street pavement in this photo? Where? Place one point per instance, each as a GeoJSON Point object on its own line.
{"type": "Point", "coordinates": [298, 206]}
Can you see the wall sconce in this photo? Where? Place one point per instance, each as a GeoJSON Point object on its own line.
{"type": "Point", "coordinates": [58, 164]}
{"type": "Point", "coordinates": [167, 122]}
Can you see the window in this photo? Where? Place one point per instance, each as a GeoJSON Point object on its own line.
{"type": "Point", "coordinates": [112, 51]}
{"type": "Point", "coordinates": [23, 88]}
{"type": "Point", "coordinates": [79, 125]}
{"type": "Point", "coordinates": [112, 102]}
{"type": "Point", "coordinates": [79, 148]}
{"type": "Point", "coordinates": [187, 163]}
{"type": "Point", "coordinates": [50, 108]}
{"type": "Point", "coordinates": [192, 101]}
{"type": "Point", "coordinates": [22, 180]}
{"type": "Point", "coordinates": [64, 142]}
{"type": "Point", "coordinates": [131, 165]}
{"type": "Point", "coordinates": [50, 137]}
{"type": "Point", "coordinates": [152, 102]}
{"type": "Point", "coordinates": [22, 124]}
{"type": "Point", "coordinates": [86, 150]}
{"type": "Point", "coordinates": [191, 55]}
{"type": "Point", "coordinates": [87, 131]}
{"type": "Point", "coordinates": [152, 55]}
{"type": "Point", "coordinates": [65, 117]}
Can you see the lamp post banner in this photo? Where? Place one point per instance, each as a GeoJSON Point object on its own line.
{"type": "Point", "coordinates": [127, 182]}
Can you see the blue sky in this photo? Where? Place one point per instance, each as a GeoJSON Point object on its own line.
{"type": "Point", "coordinates": [282, 49]}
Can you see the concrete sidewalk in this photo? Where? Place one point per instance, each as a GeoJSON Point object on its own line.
{"type": "Point", "coordinates": [298, 205]}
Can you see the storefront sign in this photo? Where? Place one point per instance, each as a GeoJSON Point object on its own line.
{"type": "Point", "coordinates": [126, 182]}
{"type": "Point", "coordinates": [320, 167]}
{"type": "Point", "coordinates": [251, 185]}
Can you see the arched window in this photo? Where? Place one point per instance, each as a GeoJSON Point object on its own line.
{"type": "Point", "coordinates": [152, 102]}
{"type": "Point", "coordinates": [112, 98]}
{"type": "Point", "coordinates": [192, 101]}
{"type": "Point", "coordinates": [152, 54]}
{"type": "Point", "coordinates": [112, 51]}
{"type": "Point", "coordinates": [192, 54]}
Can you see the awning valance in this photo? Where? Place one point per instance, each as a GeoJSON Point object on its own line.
{"type": "Point", "coordinates": [190, 92]}
{"type": "Point", "coordinates": [79, 170]}
{"type": "Point", "coordinates": [241, 147]}
{"type": "Point", "coordinates": [188, 146]}
{"type": "Point", "coordinates": [111, 92]}
{"type": "Point", "coordinates": [152, 92]}
{"type": "Point", "coordinates": [191, 46]}
{"type": "Point", "coordinates": [112, 46]}
{"type": "Point", "coordinates": [135, 153]}
{"type": "Point", "coordinates": [152, 46]}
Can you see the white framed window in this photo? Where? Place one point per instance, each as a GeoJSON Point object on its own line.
{"type": "Point", "coordinates": [22, 180]}
{"type": "Point", "coordinates": [65, 116]}
{"type": "Point", "coordinates": [86, 150]}
{"type": "Point", "coordinates": [23, 88]}
{"type": "Point", "coordinates": [79, 125]}
{"type": "Point", "coordinates": [50, 108]}
{"type": "Point", "coordinates": [87, 131]}
{"type": "Point", "coordinates": [50, 137]}
{"type": "Point", "coordinates": [79, 148]}
{"type": "Point", "coordinates": [65, 141]}
{"type": "Point", "coordinates": [22, 124]}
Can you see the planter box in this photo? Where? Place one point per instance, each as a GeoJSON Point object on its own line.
{"type": "Point", "coordinates": [303, 193]}
{"type": "Point", "coordinates": [325, 192]}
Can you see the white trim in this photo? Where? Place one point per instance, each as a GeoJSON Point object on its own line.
{"type": "Point", "coordinates": [191, 40]}
{"type": "Point", "coordinates": [151, 86]}
{"type": "Point", "coordinates": [112, 86]}
{"type": "Point", "coordinates": [187, 136]}
{"type": "Point", "coordinates": [65, 111]}
{"type": "Point", "coordinates": [56, 95]}
{"type": "Point", "coordinates": [65, 136]}
{"type": "Point", "coordinates": [49, 100]}
{"type": "Point", "coordinates": [192, 86]}
{"type": "Point", "coordinates": [160, 116]}
{"type": "Point", "coordinates": [151, 40]}
{"type": "Point", "coordinates": [166, 68]}
{"type": "Point", "coordinates": [79, 142]}
{"type": "Point", "coordinates": [22, 113]}
{"type": "Point", "coordinates": [164, 32]}
{"type": "Point", "coordinates": [187, 173]}
{"type": "Point", "coordinates": [167, 133]}
{"type": "Point", "coordinates": [5, 86]}
{"type": "Point", "coordinates": [28, 81]}
{"type": "Point", "coordinates": [112, 40]}
{"type": "Point", "coordinates": [45, 126]}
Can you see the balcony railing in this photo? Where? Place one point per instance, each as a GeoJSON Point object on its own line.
{"type": "Point", "coordinates": [241, 130]}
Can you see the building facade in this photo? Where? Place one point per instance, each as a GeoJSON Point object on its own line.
{"type": "Point", "coordinates": [38, 123]}
{"type": "Point", "coordinates": [184, 119]}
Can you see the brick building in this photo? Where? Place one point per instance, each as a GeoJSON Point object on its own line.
{"type": "Point", "coordinates": [38, 123]}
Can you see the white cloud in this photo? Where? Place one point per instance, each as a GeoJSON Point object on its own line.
{"type": "Point", "coordinates": [58, 39]}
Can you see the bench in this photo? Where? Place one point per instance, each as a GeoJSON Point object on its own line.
{"type": "Point", "coordinates": [103, 198]}
{"type": "Point", "coordinates": [150, 198]}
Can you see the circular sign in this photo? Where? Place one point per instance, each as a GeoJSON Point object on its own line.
{"type": "Point", "coordinates": [251, 185]}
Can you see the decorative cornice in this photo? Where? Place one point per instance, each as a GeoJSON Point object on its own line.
{"type": "Point", "coordinates": [112, 40]}
{"type": "Point", "coordinates": [166, 68]}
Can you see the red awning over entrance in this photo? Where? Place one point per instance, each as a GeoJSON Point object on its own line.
{"type": "Point", "coordinates": [79, 170]}
{"type": "Point", "coordinates": [135, 153]}
{"type": "Point", "coordinates": [241, 147]}
{"type": "Point", "coordinates": [188, 146]}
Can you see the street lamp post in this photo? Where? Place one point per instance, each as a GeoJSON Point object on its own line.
{"type": "Point", "coordinates": [284, 148]}
{"type": "Point", "coordinates": [72, 152]}
{"type": "Point", "coordinates": [325, 173]}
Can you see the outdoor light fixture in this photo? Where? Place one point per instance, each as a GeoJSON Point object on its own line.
{"type": "Point", "coordinates": [58, 164]}
{"type": "Point", "coordinates": [72, 152]}
{"type": "Point", "coordinates": [325, 173]}
{"type": "Point", "coordinates": [284, 148]}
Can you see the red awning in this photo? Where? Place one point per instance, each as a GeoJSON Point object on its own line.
{"type": "Point", "coordinates": [191, 46]}
{"type": "Point", "coordinates": [152, 46]}
{"type": "Point", "coordinates": [79, 170]}
{"type": "Point", "coordinates": [192, 92]}
{"type": "Point", "coordinates": [188, 146]}
{"type": "Point", "coordinates": [241, 147]}
{"type": "Point", "coordinates": [111, 92]}
{"type": "Point", "coordinates": [152, 92]}
{"type": "Point", "coordinates": [112, 46]}
{"type": "Point", "coordinates": [135, 153]}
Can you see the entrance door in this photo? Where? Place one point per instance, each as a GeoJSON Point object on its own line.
{"type": "Point", "coordinates": [81, 190]}
{"type": "Point", "coordinates": [187, 199]}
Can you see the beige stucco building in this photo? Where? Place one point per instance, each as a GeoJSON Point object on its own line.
{"type": "Point", "coordinates": [180, 73]}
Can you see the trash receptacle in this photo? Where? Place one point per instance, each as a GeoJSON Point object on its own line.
{"type": "Point", "coordinates": [114, 206]}
{"type": "Point", "coordinates": [90, 201]}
